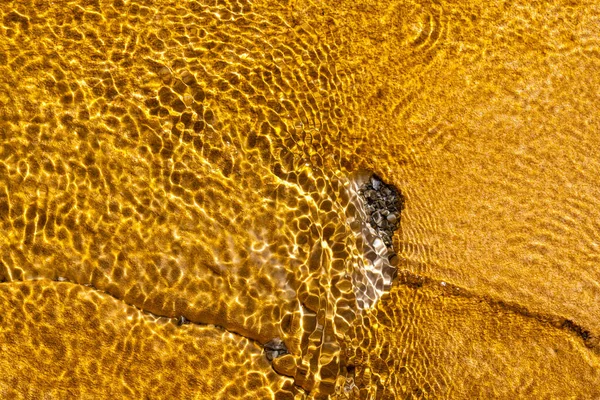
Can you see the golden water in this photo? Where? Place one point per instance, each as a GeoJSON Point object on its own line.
{"type": "Point", "coordinates": [161, 159]}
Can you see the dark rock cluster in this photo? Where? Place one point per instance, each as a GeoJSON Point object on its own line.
{"type": "Point", "coordinates": [275, 348]}
{"type": "Point", "coordinates": [383, 204]}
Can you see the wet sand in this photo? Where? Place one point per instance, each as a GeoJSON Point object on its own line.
{"type": "Point", "coordinates": [187, 161]}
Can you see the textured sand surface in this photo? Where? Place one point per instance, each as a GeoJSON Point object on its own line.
{"type": "Point", "coordinates": [61, 340]}
{"type": "Point", "coordinates": [196, 160]}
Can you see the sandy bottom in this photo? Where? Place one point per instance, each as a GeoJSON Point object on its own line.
{"type": "Point", "coordinates": [176, 191]}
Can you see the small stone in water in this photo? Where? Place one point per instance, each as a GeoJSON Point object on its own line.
{"type": "Point", "coordinates": [275, 348]}
{"type": "Point", "coordinates": [375, 183]}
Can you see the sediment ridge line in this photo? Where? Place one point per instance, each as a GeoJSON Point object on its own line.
{"type": "Point", "coordinates": [181, 320]}
{"type": "Point", "coordinates": [416, 281]}
{"type": "Point", "coordinates": [178, 320]}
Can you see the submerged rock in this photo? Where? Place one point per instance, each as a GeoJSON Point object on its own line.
{"type": "Point", "coordinates": [374, 218]}
{"type": "Point", "coordinates": [275, 348]}
{"type": "Point", "coordinates": [383, 205]}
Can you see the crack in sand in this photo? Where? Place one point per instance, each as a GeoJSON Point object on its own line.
{"type": "Point", "coordinates": [417, 281]}
{"type": "Point", "coordinates": [180, 320]}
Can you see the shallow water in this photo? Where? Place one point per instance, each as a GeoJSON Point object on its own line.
{"type": "Point", "coordinates": [164, 159]}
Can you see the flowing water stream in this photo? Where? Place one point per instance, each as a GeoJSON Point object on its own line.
{"type": "Point", "coordinates": [299, 199]}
